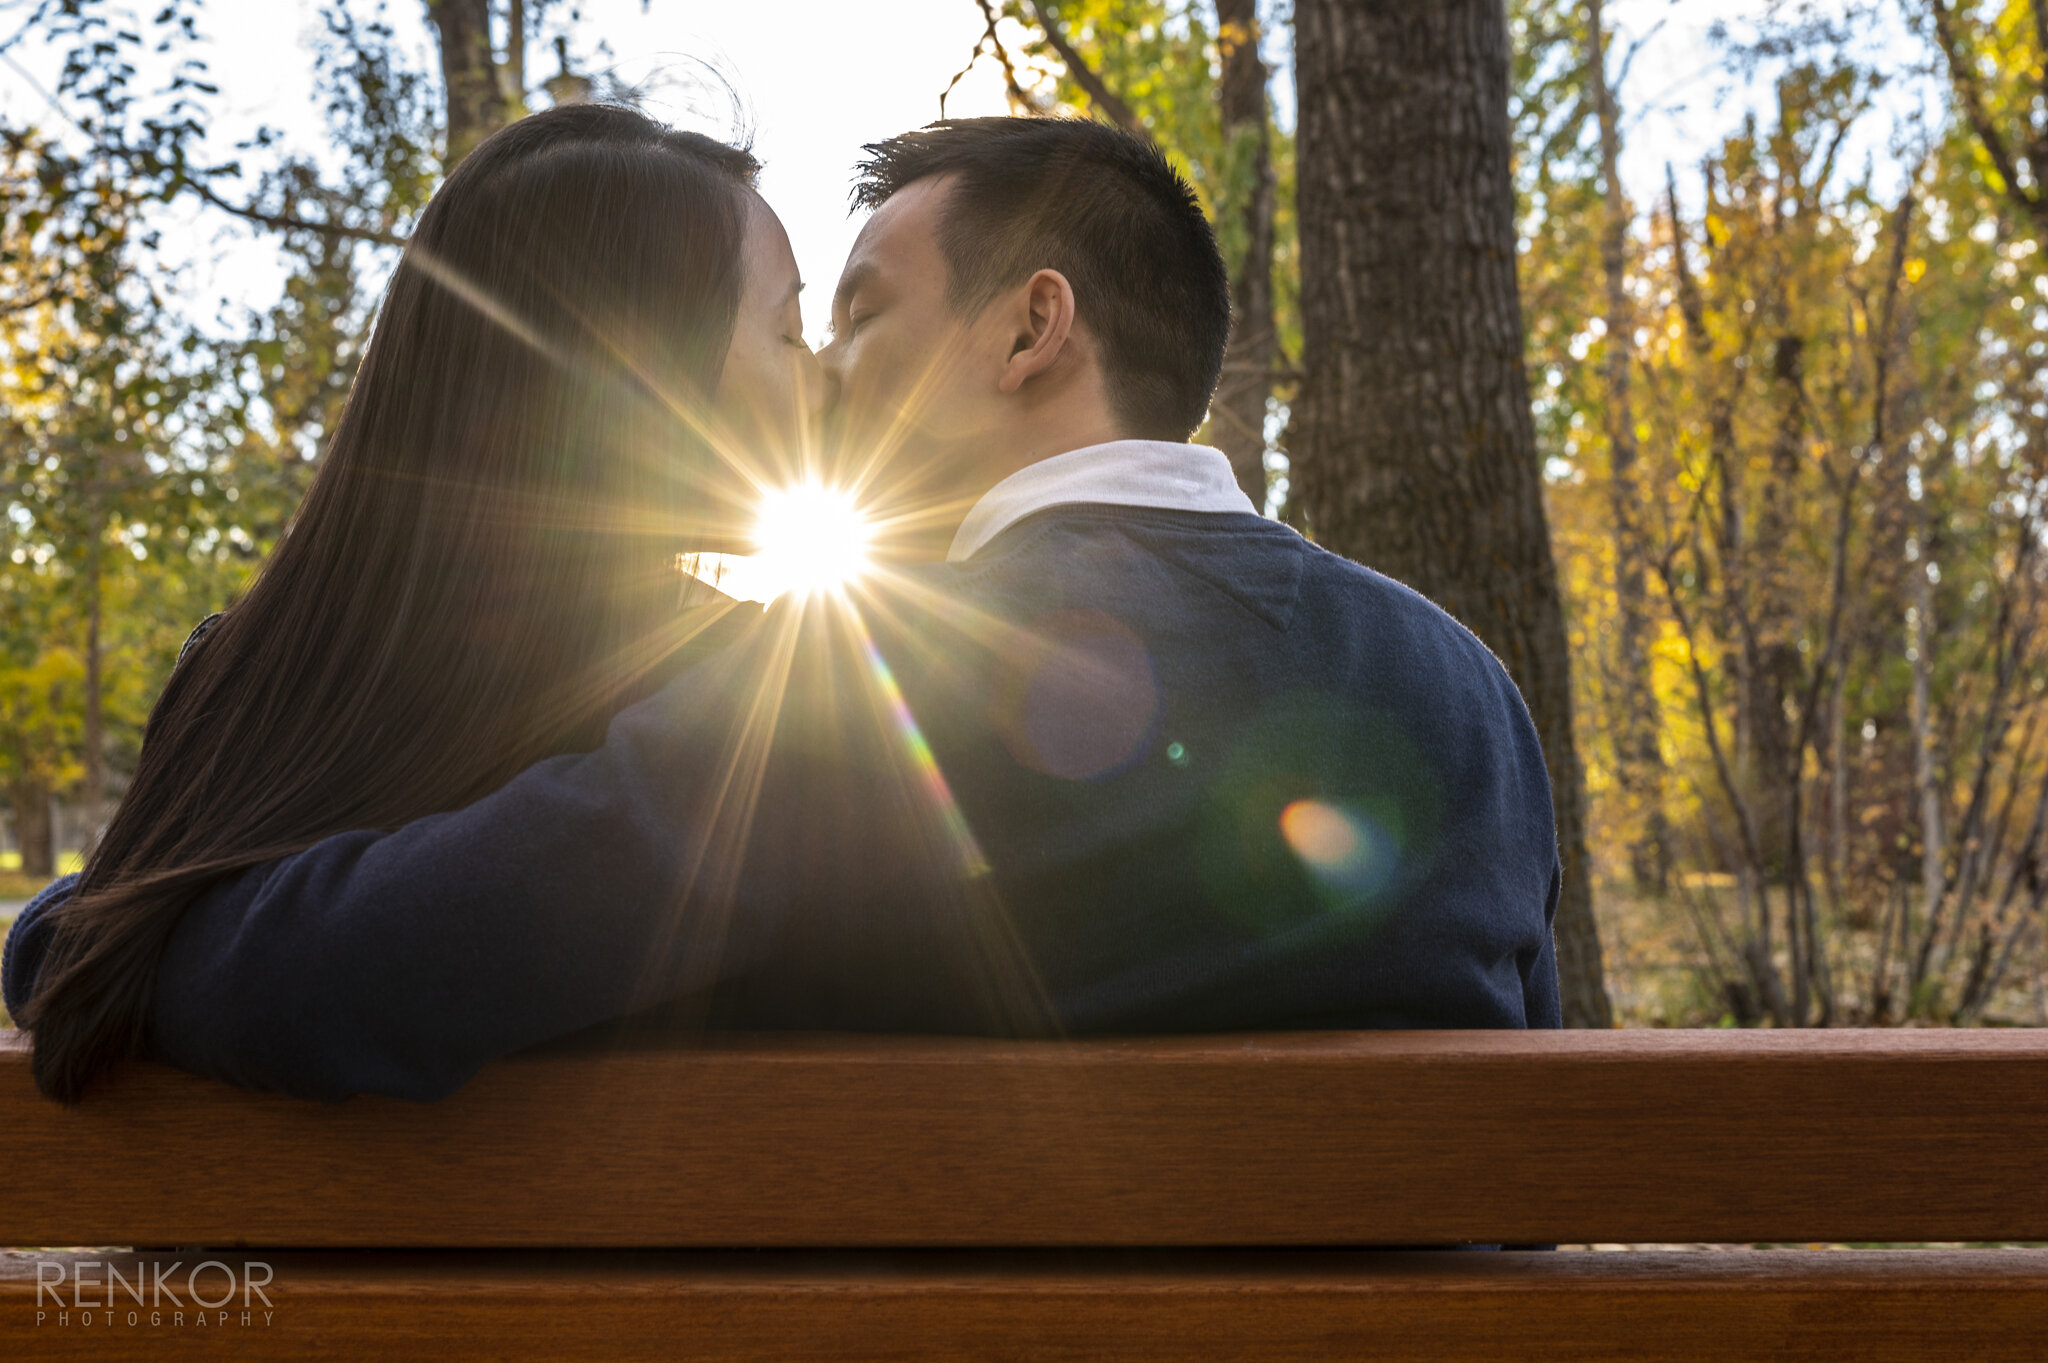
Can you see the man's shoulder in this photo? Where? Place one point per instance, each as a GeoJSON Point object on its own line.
{"type": "Point", "coordinates": [1093, 530]}
{"type": "Point", "coordinates": [1341, 588]}
{"type": "Point", "coordinates": [1141, 564]}
{"type": "Point", "coordinates": [1320, 599]}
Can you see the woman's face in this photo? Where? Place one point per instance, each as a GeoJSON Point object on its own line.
{"type": "Point", "coordinates": [771, 392]}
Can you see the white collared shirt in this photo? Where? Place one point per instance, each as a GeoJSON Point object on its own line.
{"type": "Point", "coordinates": [1153, 473]}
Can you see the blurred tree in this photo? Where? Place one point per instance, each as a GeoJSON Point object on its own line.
{"type": "Point", "coordinates": [103, 462]}
{"type": "Point", "coordinates": [1996, 54]}
{"type": "Point", "coordinates": [484, 90]}
{"type": "Point", "coordinates": [1639, 761]}
{"type": "Point", "coordinates": [1238, 416]}
{"type": "Point", "coordinates": [151, 464]}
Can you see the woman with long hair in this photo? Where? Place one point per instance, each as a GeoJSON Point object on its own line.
{"type": "Point", "coordinates": [592, 314]}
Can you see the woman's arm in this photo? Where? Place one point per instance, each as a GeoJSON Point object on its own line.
{"type": "Point", "coordinates": [399, 963]}
{"type": "Point", "coordinates": [28, 941]}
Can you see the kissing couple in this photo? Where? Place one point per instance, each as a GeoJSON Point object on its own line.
{"type": "Point", "coordinates": [1046, 731]}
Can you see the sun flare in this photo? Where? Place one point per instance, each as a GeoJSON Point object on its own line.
{"type": "Point", "coordinates": [811, 539]}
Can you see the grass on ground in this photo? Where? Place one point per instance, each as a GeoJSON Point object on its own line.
{"type": "Point", "coordinates": [15, 885]}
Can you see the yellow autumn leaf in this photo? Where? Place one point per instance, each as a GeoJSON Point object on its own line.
{"type": "Point", "coordinates": [1673, 648]}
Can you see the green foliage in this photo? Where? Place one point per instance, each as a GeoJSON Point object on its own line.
{"type": "Point", "coordinates": [286, 382]}
{"type": "Point", "coordinates": [113, 477]}
{"type": "Point", "coordinates": [147, 465]}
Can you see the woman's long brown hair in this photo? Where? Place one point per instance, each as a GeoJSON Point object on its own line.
{"type": "Point", "coordinates": [479, 575]}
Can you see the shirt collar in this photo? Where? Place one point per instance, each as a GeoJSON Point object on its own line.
{"type": "Point", "coordinates": [1153, 473]}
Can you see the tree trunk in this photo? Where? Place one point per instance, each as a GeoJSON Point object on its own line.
{"type": "Point", "coordinates": [1926, 767]}
{"type": "Point", "coordinates": [1238, 415]}
{"type": "Point", "coordinates": [512, 71]}
{"type": "Point", "coordinates": [1770, 642]}
{"type": "Point", "coordinates": [30, 798]}
{"type": "Point", "coordinates": [477, 102]}
{"type": "Point", "coordinates": [1838, 786]}
{"type": "Point", "coordinates": [1414, 445]}
{"type": "Point", "coordinates": [1639, 760]}
{"type": "Point", "coordinates": [94, 794]}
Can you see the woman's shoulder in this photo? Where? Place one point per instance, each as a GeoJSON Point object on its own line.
{"type": "Point", "coordinates": [29, 940]}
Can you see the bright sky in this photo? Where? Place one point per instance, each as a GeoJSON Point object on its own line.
{"type": "Point", "coordinates": [819, 77]}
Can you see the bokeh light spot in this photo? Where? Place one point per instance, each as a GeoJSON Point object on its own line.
{"type": "Point", "coordinates": [1351, 853]}
{"type": "Point", "coordinates": [1323, 836]}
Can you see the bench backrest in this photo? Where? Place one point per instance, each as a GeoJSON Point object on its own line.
{"type": "Point", "coordinates": [1315, 1139]}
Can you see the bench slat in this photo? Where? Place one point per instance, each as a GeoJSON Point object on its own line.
{"type": "Point", "coordinates": [1877, 1307]}
{"type": "Point", "coordinates": [1316, 1139]}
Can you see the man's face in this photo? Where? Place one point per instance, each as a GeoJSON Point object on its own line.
{"type": "Point", "coordinates": [912, 384]}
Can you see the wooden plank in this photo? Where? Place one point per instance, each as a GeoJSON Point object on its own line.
{"type": "Point", "coordinates": [1320, 1139]}
{"type": "Point", "coordinates": [1876, 1307]}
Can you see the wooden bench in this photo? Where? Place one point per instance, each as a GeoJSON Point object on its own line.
{"type": "Point", "coordinates": [868, 1198]}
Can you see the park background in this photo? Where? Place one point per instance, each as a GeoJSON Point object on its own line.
{"type": "Point", "coordinates": [1752, 509]}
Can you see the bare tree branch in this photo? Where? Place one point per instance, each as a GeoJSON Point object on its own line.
{"type": "Point", "coordinates": [988, 44]}
{"type": "Point", "coordinates": [1084, 76]}
{"type": "Point", "coordinates": [145, 163]}
{"type": "Point", "coordinates": [50, 294]}
{"type": "Point", "coordinates": [285, 222]}
{"type": "Point", "coordinates": [1757, 955]}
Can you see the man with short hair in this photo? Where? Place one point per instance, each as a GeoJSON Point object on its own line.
{"type": "Point", "coordinates": [1105, 751]}
{"type": "Point", "coordinates": [1226, 780]}
{"type": "Point", "coordinates": [960, 338]}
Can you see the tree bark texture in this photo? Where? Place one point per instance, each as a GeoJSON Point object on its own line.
{"type": "Point", "coordinates": [1238, 414]}
{"type": "Point", "coordinates": [477, 103]}
{"type": "Point", "coordinates": [1413, 443]}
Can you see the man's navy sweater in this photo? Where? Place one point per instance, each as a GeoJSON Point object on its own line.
{"type": "Point", "coordinates": [1123, 771]}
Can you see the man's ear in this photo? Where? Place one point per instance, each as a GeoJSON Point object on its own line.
{"type": "Point", "coordinates": [1044, 325]}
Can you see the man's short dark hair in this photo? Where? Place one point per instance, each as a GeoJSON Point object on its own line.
{"type": "Point", "coordinates": [1101, 206]}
